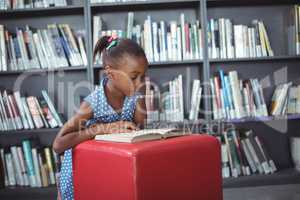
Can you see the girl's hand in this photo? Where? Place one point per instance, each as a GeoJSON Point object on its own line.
{"type": "Point", "coordinates": [115, 127]}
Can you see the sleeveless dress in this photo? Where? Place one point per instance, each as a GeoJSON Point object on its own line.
{"type": "Point", "coordinates": [103, 113]}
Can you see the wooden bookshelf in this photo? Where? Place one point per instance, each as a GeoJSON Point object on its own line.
{"type": "Point", "coordinates": [80, 17]}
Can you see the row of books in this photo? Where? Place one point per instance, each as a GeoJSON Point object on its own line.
{"type": "Point", "coordinates": [226, 40]}
{"type": "Point", "coordinates": [29, 165]}
{"type": "Point", "coordinates": [23, 4]}
{"type": "Point", "coordinates": [162, 41]}
{"type": "Point", "coordinates": [233, 98]}
{"type": "Point", "coordinates": [285, 100]}
{"type": "Point", "coordinates": [243, 154]}
{"type": "Point", "coordinates": [167, 104]}
{"type": "Point", "coordinates": [31, 112]}
{"type": "Point", "coordinates": [53, 47]}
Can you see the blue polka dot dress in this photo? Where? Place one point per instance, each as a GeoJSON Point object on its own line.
{"type": "Point", "coordinates": [103, 113]}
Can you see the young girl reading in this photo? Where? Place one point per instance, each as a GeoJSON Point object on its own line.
{"type": "Point", "coordinates": [113, 107]}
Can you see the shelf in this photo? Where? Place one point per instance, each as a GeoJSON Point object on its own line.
{"type": "Point", "coordinates": [166, 63]}
{"type": "Point", "coordinates": [42, 11]}
{"type": "Point", "coordinates": [29, 71]}
{"type": "Point", "coordinates": [258, 119]}
{"type": "Point", "coordinates": [285, 176]}
{"type": "Point", "coordinates": [108, 7]}
{"type": "Point", "coordinates": [27, 193]}
{"type": "Point", "coordinates": [259, 59]}
{"type": "Point", "coordinates": [29, 131]}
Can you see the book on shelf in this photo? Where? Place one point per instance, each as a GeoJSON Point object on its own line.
{"type": "Point", "coordinates": [294, 31]}
{"type": "Point", "coordinates": [142, 135]}
{"type": "Point", "coordinates": [285, 100]}
{"type": "Point", "coordinates": [167, 103]}
{"type": "Point", "coordinates": [30, 112]}
{"type": "Point", "coordinates": [53, 47]}
{"type": "Point", "coordinates": [23, 4]}
{"type": "Point", "coordinates": [244, 154]}
{"type": "Point", "coordinates": [175, 40]}
{"type": "Point", "coordinates": [29, 165]}
{"type": "Point", "coordinates": [233, 98]}
{"type": "Point", "coordinates": [227, 40]}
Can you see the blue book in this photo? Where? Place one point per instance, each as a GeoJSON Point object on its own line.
{"type": "Point", "coordinates": [29, 163]}
{"type": "Point", "coordinates": [229, 93]}
{"type": "Point", "coordinates": [225, 94]}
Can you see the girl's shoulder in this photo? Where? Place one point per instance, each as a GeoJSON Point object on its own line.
{"type": "Point", "coordinates": [96, 96]}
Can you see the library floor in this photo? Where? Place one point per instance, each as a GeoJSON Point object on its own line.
{"type": "Point", "coordinates": [274, 192]}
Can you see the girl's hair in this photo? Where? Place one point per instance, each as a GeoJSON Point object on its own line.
{"type": "Point", "coordinates": [120, 47]}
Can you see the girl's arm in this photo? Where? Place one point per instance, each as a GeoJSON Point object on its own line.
{"type": "Point", "coordinates": [74, 131]}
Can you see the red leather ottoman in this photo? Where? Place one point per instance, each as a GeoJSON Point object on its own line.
{"type": "Point", "coordinates": [182, 168]}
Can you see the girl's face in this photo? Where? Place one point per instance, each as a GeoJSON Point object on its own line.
{"type": "Point", "coordinates": [129, 77]}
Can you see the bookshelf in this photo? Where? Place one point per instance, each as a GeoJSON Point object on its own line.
{"type": "Point", "coordinates": [80, 16]}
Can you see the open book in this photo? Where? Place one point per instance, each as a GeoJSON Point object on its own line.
{"type": "Point", "coordinates": [142, 135]}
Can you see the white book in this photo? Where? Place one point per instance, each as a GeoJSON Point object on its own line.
{"type": "Point", "coordinates": [164, 41]}
{"type": "Point", "coordinates": [149, 38]}
{"type": "Point", "coordinates": [142, 135]}
{"type": "Point", "coordinates": [82, 51]}
{"type": "Point", "coordinates": [39, 51]}
{"type": "Point", "coordinates": [23, 166]}
{"type": "Point", "coordinates": [130, 24]}
{"type": "Point", "coordinates": [182, 26]}
{"type": "Point", "coordinates": [195, 88]}
{"type": "Point", "coordinates": [45, 52]}
{"type": "Point", "coordinates": [3, 59]}
{"type": "Point", "coordinates": [238, 41]}
{"type": "Point", "coordinates": [222, 33]}
{"type": "Point", "coordinates": [179, 43]}
{"type": "Point", "coordinates": [27, 113]}
{"type": "Point", "coordinates": [155, 42]}
{"type": "Point", "coordinates": [36, 167]}
{"type": "Point", "coordinates": [173, 27]}
{"type": "Point", "coordinates": [169, 43]}
{"type": "Point", "coordinates": [236, 94]}
{"type": "Point", "coordinates": [229, 39]}
{"type": "Point", "coordinates": [225, 161]}
{"type": "Point", "coordinates": [181, 105]}
{"type": "Point", "coordinates": [10, 169]}
{"type": "Point", "coordinates": [16, 163]}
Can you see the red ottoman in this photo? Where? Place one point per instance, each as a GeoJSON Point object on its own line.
{"type": "Point", "coordinates": [182, 168]}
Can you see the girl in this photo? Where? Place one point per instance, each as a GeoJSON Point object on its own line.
{"type": "Point", "coordinates": [113, 107]}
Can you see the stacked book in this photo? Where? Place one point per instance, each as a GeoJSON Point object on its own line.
{"type": "Point", "coordinates": [162, 41]}
{"type": "Point", "coordinates": [115, 1]}
{"type": "Point", "coordinates": [243, 154]}
{"type": "Point", "coordinates": [167, 104]}
{"type": "Point", "coordinates": [285, 100]}
{"type": "Point", "coordinates": [29, 165]}
{"type": "Point", "coordinates": [31, 112]}
{"type": "Point", "coordinates": [233, 98]}
{"type": "Point", "coordinates": [23, 4]}
{"type": "Point", "coordinates": [54, 47]}
{"type": "Point", "coordinates": [226, 40]}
